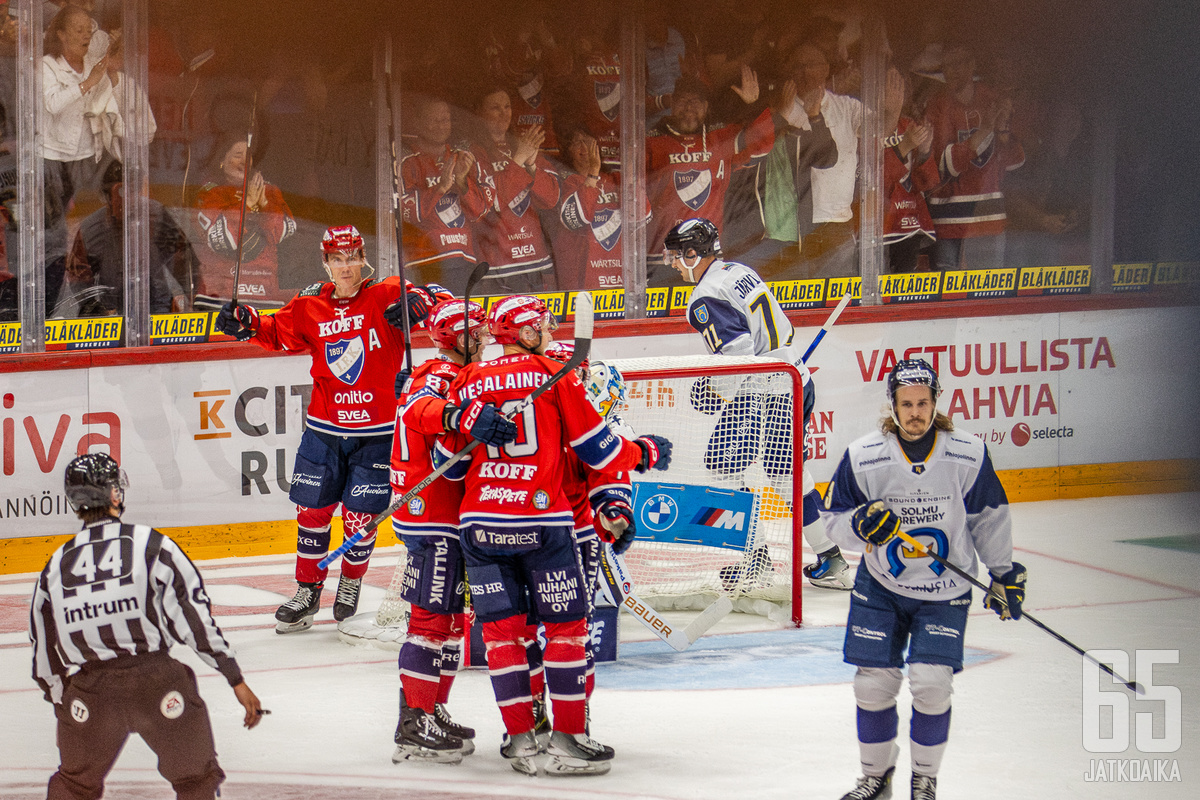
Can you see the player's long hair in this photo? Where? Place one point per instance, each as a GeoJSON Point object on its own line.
{"type": "Point", "coordinates": [940, 422]}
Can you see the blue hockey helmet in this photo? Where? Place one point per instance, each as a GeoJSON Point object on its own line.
{"type": "Point", "coordinates": [912, 372]}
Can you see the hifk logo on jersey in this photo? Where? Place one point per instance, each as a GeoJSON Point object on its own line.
{"type": "Point", "coordinates": [694, 187]}
{"type": "Point", "coordinates": [520, 204]}
{"type": "Point", "coordinates": [608, 98]}
{"type": "Point", "coordinates": [980, 160]}
{"type": "Point", "coordinates": [449, 211]}
{"type": "Point", "coordinates": [345, 358]}
{"type": "Point", "coordinates": [531, 91]}
{"type": "Point", "coordinates": [659, 512]}
{"type": "Point", "coordinates": [606, 227]}
{"type": "Point", "coordinates": [898, 552]}
{"type": "Point", "coordinates": [721, 518]}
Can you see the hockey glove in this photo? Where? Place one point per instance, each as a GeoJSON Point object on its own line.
{"type": "Point", "coordinates": [616, 517]}
{"type": "Point", "coordinates": [401, 381]}
{"type": "Point", "coordinates": [704, 398]}
{"type": "Point", "coordinates": [656, 452]}
{"type": "Point", "coordinates": [481, 421]}
{"type": "Point", "coordinates": [875, 523]}
{"type": "Point", "coordinates": [240, 321]}
{"type": "Point", "coordinates": [1007, 593]}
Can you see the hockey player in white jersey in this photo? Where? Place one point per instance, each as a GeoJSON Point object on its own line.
{"type": "Point", "coordinates": [916, 474]}
{"type": "Point", "coordinates": [736, 313]}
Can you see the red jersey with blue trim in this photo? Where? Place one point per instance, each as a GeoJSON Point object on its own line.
{"type": "Point", "coordinates": [355, 354]}
{"type": "Point", "coordinates": [442, 218]}
{"type": "Point", "coordinates": [510, 236]}
{"type": "Point", "coordinates": [418, 424]}
{"type": "Point", "coordinates": [521, 483]}
{"type": "Point", "coordinates": [587, 489]}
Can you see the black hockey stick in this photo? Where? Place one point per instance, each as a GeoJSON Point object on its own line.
{"type": "Point", "coordinates": [237, 267]}
{"type": "Point", "coordinates": [473, 279]}
{"type": "Point", "coordinates": [1134, 687]}
{"type": "Point", "coordinates": [583, 343]}
{"type": "Point", "coordinates": [398, 222]}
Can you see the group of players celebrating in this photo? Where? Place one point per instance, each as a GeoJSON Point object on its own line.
{"type": "Point", "coordinates": [517, 521]}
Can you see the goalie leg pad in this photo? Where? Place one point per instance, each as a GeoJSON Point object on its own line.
{"type": "Point", "coordinates": [777, 449]}
{"type": "Point", "coordinates": [357, 558]}
{"type": "Point", "coordinates": [509, 672]}
{"type": "Point", "coordinates": [312, 542]}
{"type": "Point", "coordinates": [566, 674]}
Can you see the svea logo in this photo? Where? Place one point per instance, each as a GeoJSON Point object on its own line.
{"type": "Point", "coordinates": [1021, 434]}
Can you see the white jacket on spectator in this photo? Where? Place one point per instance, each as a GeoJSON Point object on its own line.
{"type": "Point", "coordinates": [833, 188]}
{"type": "Point", "coordinates": [67, 135]}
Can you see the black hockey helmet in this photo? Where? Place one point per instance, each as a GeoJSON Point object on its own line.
{"type": "Point", "coordinates": [912, 372]}
{"type": "Point", "coordinates": [90, 479]}
{"type": "Point", "coordinates": [694, 234]}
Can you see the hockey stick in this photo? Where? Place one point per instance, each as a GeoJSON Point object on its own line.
{"type": "Point", "coordinates": [837, 312]}
{"type": "Point", "coordinates": [1133, 686]}
{"type": "Point", "coordinates": [583, 343]}
{"type": "Point", "coordinates": [398, 223]}
{"type": "Point", "coordinates": [620, 586]}
{"type": "Point", "coordinates": [473, 279]}
{"type": "Point", "coordinates": [237, 267]}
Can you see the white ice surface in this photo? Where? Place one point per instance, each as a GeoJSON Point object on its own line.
{"type": "Point", "coordinates": [781, 726]}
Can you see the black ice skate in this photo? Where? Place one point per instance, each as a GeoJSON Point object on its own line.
{"type": "Point", "coordinates": [420, 738]}
{"type": "Point", "coordinates": [520, 751]}
{"type": "Point", "coordinates": [297, 614]}
{"type": "Point", "coordinates": [924, 787]}
{"type": "Point", "coordinates": [872, 787]}
{"type": "Point", "coordinates": [345, 603]}
{"type": "Point", "coordinates": [830, 571]}
{"type": "Point", "coordinates": [577, 754]}
{"type": "Point", "coordinates": [452, 728]}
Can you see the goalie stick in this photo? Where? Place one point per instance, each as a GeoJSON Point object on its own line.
{"type": "Point", "coordinates": [583, 343]}
{"type": "Point", "coordinates": [1133, 686]}
{"type": "Point", "coordinates": [620, 586]}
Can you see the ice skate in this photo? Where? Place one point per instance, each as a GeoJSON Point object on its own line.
{"type": "Point", "coordinates": [830, 571]}
{"type": "Point", "coordinates": [872, 787]}
{"type": "Point", "coordinates": [924, 787]}
{"type": "Point", "coordinates": [520, 751]}
{"type": "Point", "coordinates": [420, 738]}
{"type": "Point", "coordinates": [577, 754]}
{"type": "Point", "coordinates": [345, 603]}
{"type": "Point", "coordinates": [452, 728]}
{"type": "Point", "coordinates": [297, 614]}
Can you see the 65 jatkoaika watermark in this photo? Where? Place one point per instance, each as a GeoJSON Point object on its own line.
{"type": "Point", "coordinates": [1156, 719]}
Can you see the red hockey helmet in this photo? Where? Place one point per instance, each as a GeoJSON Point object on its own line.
{"type": "Point", "coordinates": [562, 352]}
{"type": "Point", "coordinates": [446, 322]}
{"type": "Point", "coordinates": [342, 239]}
{"type": "Point", "coordinates": [508, 316]}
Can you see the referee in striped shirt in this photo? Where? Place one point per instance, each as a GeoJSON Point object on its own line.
{"type": "Point", "coordinates": [106, 609]}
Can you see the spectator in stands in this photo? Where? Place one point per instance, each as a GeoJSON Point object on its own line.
{"type": "Point", "coordinates": [689, 163]}
{"type": "Point", "coordinates": [522, 53]}
{"type": "Point", "coordinates": [510, 233]}
{"type": "Point", "coordinates": [96, 263]}
{"type": "Point", "coordinates": [444, 192]}
{"type": "Point", "coordinates": [909, 172]}
{"type": "Point", "coordinates": [587, 239]}
{"type": "Point", "coordinates": [829, 249]}
{"type": "Point", "coordinates": [668, 53]}
{"type": "Point", "coordinates": [741, 34]}
{"type": "Point", "coordinates": [268, 221]}
{"type": "Point", "coordinates": [976, 149]}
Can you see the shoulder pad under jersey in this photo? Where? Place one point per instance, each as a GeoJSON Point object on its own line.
{"type": "Point", "coordinates": [312, 290]}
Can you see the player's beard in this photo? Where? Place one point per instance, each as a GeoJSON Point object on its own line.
{"type": "Point", "coordinates": [920, 423]}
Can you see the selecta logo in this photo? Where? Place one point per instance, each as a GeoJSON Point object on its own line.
{"type": "Point", "coordinates": [1021, 434]}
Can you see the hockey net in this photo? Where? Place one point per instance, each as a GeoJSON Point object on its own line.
{"type": "Point", "coordinates": [719, 521]}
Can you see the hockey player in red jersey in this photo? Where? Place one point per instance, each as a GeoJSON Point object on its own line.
{"type": "Point", "coordinates": [428, 525]}
{"type": "Point", "coordinates": [517, 541]}
{"type": "Point", "coordinates": [351, 327]}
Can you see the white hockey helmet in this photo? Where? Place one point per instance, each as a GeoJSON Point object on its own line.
{"type": "Point", "coordinates": [606, 389]}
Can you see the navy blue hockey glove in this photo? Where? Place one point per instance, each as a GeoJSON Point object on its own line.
{"type": "Point", "coordinates": [481, 421]}
{"type": "Point", "coordinates": [704, 398]}
{"type": "Point", "coordinates": [656, 452]}
{"type": "Point", "coordinates": [240, 322]}
{"type": "Point", "coordinates": [401, 380]}
{"type": "Point", "coordinates": [1009, 588]}
{"type": "Point", "coordinates": [875, 523]}
{"type": "Point", "coordinates": [616, 517]}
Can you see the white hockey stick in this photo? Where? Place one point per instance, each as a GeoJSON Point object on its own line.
{"type": "Point", "coordinates": [837, 312]}
{"type": "Point", "coordinates": [620, 585]}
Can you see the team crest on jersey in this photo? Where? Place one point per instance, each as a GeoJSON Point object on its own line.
{"type": "Point", "coordinates": [541, 500]}
{"type": "Point", "coordinates": [694, 187]}
{"type": "Point", "coordinates": [531, 91]}
{"type": "Point", "coordinates": [606, 227]}
{"type": "Point", "coordinates": [702, 314]}
{"type": "Point", "coordinates": [345, 358]}
{"type": "Point", "coordinates": [918, 469]}
{"type": "Point", "coordinates": [416, 506]}
{"type": "Point", "coordinates": [449, 211]}
{"type": "Point", "coordinates": [172, 705]}
{"type": "Point", "coordinates": [898, 552]}
{"type": "Point", "coordinates": [520, 204]}
{"type": "Point", "coordinates": [608, 98]}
